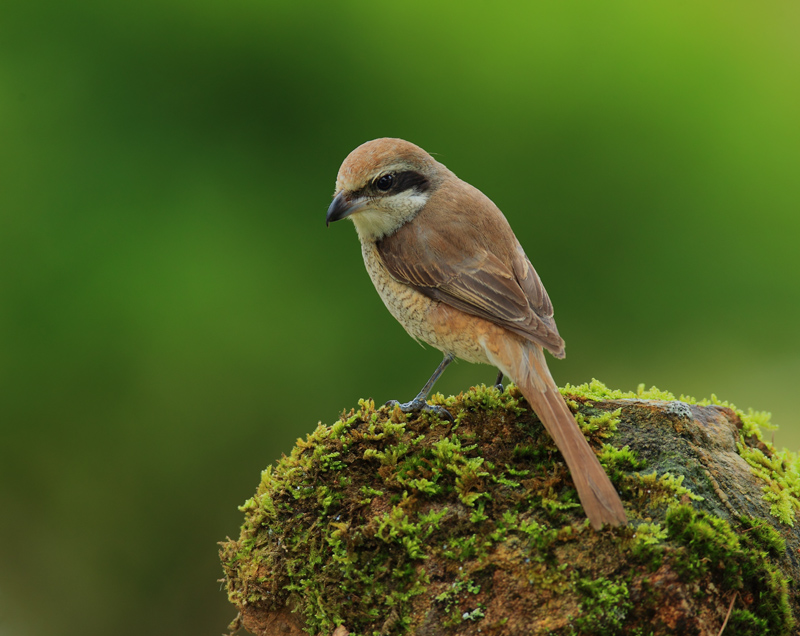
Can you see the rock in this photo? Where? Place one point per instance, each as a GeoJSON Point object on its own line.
{"type": "Point", "coordinates": [388, 524]}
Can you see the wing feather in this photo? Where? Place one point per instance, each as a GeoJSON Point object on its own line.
{"type": "Point", "coordinates": [457, 262]}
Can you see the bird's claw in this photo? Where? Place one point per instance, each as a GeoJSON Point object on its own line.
{"type": "Point", "coordinates": [418, 405]}
{"type": "Point", "coordinates": [498, 384]}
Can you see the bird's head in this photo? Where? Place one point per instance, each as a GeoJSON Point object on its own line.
{"type": "Point", "coordinates": [383, 184]}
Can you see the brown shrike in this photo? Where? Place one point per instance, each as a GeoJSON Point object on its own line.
{"type": "Point", "coordinates": [449, 268]}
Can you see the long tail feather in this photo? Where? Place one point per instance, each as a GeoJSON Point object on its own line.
{"type": "Point", "coordinates": [524, 363]}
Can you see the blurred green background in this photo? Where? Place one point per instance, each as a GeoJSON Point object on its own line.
{"type": "Point", "coordinates": [174, 313]}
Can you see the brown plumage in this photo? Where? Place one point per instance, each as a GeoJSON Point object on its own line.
{"type": "Point", "coordinates": [449, 268]}
{"type": "Point", "coordinates": [484, 272]}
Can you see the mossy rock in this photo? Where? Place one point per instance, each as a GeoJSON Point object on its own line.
{"type": "Point", "coordinates": [388, 524]}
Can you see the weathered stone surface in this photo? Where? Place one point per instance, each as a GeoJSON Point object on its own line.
{"type": "Point", "coordinates": [385, 525]}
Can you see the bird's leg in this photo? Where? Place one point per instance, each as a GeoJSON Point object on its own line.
{"type": "Point", "coordinates": [498, 383]}
{"type": "Point", "coordinates": [419, 403]}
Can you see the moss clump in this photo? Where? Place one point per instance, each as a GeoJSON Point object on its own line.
{"type": "Point", "coordinates": [781, 473]}
{"type": "Point", "coordinates": [391, 525]}
{"type": "Point", "coordinates": [596, 390]}
{"type": "Point", "coordinates": [604, 607]}
{"type": "Point", "coordinates": [711, 549]}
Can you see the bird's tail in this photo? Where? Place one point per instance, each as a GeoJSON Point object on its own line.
{"type": "Point", "coordinates": [524, 363]}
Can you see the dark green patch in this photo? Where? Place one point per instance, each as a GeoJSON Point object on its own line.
{"type": "Point", "coordinates": [711, 549]}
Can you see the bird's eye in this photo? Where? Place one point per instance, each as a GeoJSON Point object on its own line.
{"type": "Point", "coordinates": [385, 182]}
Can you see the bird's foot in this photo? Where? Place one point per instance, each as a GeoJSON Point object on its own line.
{"type": "Point", "coordinates": [418, 405]}
{"type": "Point", "coordinates": [498, 384]}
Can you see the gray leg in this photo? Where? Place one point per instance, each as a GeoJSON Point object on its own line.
{"type": "Point", "coordinates": [419, 403]}
{"type": "Point", "coordinates": [498, 384]}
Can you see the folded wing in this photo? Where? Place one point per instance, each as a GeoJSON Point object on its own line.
{"type": "Point", "coordinates": [499, 285]}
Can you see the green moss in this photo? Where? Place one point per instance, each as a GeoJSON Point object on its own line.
{"type": "Point", "coordinates": [745, 622]}
{"type": "Point", "coordinates": [604, 606]}
{"type": "Point", "coordinates": [603, 424]}
{"type": "Point", "coordinates": [667, 487]}
{"type": "Point", "coordinates": [368, 517]}
{"type": "Point", "coordinates": [618, 461]}
{"type": "Point", "coordinates": [761, 535]}
{"type": "Point", "coordinates": [456, 600]}
{"type": "Point", "coordinates": [781, 473]}
{"type": "Point", "coordinates": [647, 544]}
{"type": "Point", "coordinates": [596, 390]}
{"type": "Point", "coordinates": [487, 399]}
{"type": "Point", "coordinates": [712, 549]}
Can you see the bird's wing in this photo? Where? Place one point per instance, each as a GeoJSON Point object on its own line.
{"type": "Point", "coordinates": [463, 264]}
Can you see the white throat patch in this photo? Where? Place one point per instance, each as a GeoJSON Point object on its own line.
{"type": "Point", "coordinates": [385, 215]}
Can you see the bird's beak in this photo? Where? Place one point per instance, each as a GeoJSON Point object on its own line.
{"type": "Point", "coordinates": [342, 207]}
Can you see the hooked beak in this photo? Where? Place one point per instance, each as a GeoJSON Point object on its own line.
{"type": "Point", "coordinates": [342, 207]}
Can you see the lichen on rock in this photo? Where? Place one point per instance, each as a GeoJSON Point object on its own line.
{"type": "Point", "coordinates": [388, 524]}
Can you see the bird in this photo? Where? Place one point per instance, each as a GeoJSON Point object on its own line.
{"type": "Point", "coordinates": [451, 271]}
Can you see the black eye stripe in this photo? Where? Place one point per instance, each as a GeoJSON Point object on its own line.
{"type": "Point", "coordinates": [402, 181]}
{"type": "Point", "coordinates": [407, 180]}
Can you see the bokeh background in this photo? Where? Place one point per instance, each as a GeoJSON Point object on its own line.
{"type": "Point", "coordinates": [174, 313]}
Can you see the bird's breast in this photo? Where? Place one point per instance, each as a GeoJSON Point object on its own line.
{"type": "Point", "coordinates": [425, 319]}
